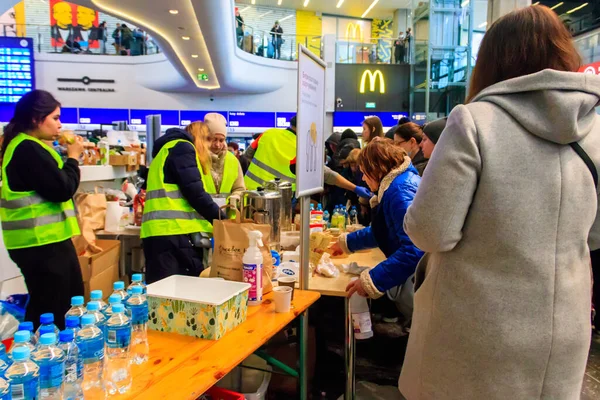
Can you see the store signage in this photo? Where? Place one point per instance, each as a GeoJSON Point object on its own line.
{"type": "Point", "coordinates": [189, 116]}
{"type": "Point", "coordinates": [167, 117]}
{"type": "Point", "coordinates": [105, 116]}
{"type": "Point", "coordinates": [354, 119]}
{"type": "Point", "coordinates": [370, 104]}
{"type": "Point", "coordinates": [593, 68]}
{"type": "Point", "coordinates": [243, 119]}
{"type": "Point", "coordinates": [17, 75]}
{"type": "Point", "coordinates": [373, 78]}
{"type": "Point", "coordinates": [354, 31]}
{"type": "Point", "coordinates": [282, 120]}
{"type": "Point", "coordinates": [86, 80]}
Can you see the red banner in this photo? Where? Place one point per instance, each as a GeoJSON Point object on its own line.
{"type": "Point", "coordinates": [593, 68]}
{"type": "Point", "coordinates": [72, 23]}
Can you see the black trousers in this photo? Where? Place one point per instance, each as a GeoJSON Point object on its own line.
{"type": "Point", "coordinates": [53, 275]}
{"type": "Point", "coordinates": [171, 255]}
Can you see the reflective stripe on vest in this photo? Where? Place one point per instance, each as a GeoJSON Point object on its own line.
{"type": "Point", "coordinates": [276, 149]}
{"type": "Point", "coordinates": [28, 220]}
{"type": "Point", "coordinates": [230, 174]}
{"type": "Point", "coordinates": [166, 211]}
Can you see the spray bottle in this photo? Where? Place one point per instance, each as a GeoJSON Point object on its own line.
{"type": "Point", "coordinates": [253, 265]}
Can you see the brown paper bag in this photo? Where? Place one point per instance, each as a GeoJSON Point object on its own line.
{"type": "Point", "coordinates": [91, 211]}
{"type": "Point", "coordinates": [231, 241]}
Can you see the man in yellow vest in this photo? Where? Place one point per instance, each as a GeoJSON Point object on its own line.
{"type": "Point", "coordinates": [271, 154]}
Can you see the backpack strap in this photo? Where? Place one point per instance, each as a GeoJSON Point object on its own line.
{"type": "Point", "coordinates": [587, 160]}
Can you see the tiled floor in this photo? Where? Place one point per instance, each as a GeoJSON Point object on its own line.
{"type": "Point", "coordinates": [591, 382]}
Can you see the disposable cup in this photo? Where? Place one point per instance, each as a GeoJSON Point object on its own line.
{"type": "Point", "coordinates": [283, 298]}
{"type": "Point", "coordinates": [289, 281]}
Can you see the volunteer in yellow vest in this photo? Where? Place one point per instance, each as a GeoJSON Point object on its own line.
{"type": "Point", "coordinates": [36, 207]}
{"type": "Point", "coordinates": [271, 154]}
{"type": "Point", "coordinates": [178, 212]}
{"type": "Point", "coordinates": [226, 177]}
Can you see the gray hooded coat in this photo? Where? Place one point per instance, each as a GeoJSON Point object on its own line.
{"type": "Point", "coordinates": [506, 208]}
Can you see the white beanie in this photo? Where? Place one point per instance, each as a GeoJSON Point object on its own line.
{"type": "Point", "coordinates": [216, 123]}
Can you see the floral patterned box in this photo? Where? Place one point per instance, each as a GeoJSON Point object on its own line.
{"type": "Point", "coordinates": [201, 307]}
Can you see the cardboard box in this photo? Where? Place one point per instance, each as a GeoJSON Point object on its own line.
{"type": "Point", "coordinates": [126, 159]}
{"type": "Point", "coordinates": [102, 269]}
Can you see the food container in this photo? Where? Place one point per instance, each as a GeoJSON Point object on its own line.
{"type": "Point", "coordinates": [201, 307]}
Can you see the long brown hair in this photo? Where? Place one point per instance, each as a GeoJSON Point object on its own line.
{"type": "Point", "coordinates": [408, 131]}
{"type": "Point", "coordinates": [375, 127]}
{"type": "Point", "coordinates": [199, 131]}
{"type": "Point", "coordinates": [380, 157]}
{"type": "Point", "coordinates": [520, 43]}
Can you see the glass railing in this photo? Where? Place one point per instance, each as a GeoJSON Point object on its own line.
{"type": "Point", "coordinates": [277, 46]}
{"type": "Point", "coordinates": [589, 47]}
{"type": "Point", "coordinates": [375, 51]}
{"type": "Point", "coordinates": [52, 39]}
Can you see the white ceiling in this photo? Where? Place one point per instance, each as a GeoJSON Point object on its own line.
{"type": "Point", "coordinates": [351, 8]}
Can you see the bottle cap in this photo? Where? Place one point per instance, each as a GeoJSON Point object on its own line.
{"type": "Point", "coordinates": [48, 338]}
{"type": "Point", "coordinates": [47, 318]}
{"type": "Point", "coordinates": [77, 301]}
{"type": "Point", "coordinates": [66, 336]}
{"type": "Point", "coordinates": [96, 295]}
{"type": "Point", "coordinates": [72, 321]}
{"type": "Point", "coordinates": [22, 336]}
{"type": "Point", "coordinates": [136, 277]}
{"type": "Point", "coordinates": [117, 308]}
{"type": "Point", "coordinates": [119, 285]}
{"type": "Point", "coordinates": [137, 290]}
{"type": "Point", "coordinates": [93, 306]}
{"type": "Point", "coordinates": [88, 319]}
{"type": "Point", "coordinates": [26, 326]}
{"type": "Point", "coordinates": [21, 353]}
{"type": "Point", "coordinates": [114, 299]}
{"type": "Point", "coordinates": [46, 329]}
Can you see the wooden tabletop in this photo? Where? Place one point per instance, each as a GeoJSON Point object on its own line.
{"type": "Point", "coordinates": [183, 367]}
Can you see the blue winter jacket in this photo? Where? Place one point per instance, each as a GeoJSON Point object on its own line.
{"type": "Point", "coordinates": [387, 233]}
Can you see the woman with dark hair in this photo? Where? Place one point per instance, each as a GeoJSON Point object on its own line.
{"type": "Point", "coordinates": [372, 128]}
{"type": "Point", "coordinates": [409, 137]}
{"type": "Point", "coordinates": [502, 307]}
{"type": "Point", "coordinates": [37, 213]}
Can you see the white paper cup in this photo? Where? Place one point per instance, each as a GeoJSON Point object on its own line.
{"type": "Point", "coordinates": [283, 298]}
{"type": "Point", "coordinates": [289, 281]}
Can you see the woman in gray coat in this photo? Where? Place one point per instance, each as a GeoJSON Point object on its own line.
{"type": "Point", "coordinates": [507, 209]}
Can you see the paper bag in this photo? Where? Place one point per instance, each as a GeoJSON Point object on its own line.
{"type": "Point", "coordinates": [91, 211]}
{"type": "Point", "coordinates": [231, 241]}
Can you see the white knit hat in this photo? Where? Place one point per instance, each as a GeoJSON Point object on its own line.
{"type": "Point", "coordinates": [216, 123]}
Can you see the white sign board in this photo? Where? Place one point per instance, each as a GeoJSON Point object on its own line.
{"type": "Point", "coordinates": [310, 123]}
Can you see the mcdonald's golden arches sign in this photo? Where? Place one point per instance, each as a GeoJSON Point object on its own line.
{"type": "Point", "coordinates": [373, 78]}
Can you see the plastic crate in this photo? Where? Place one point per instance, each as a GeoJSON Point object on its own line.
{"type": "Point", "coordinates": [216, 393]}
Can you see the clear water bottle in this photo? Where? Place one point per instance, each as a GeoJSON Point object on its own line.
{"type": "Point", "coordinates": [73, 389]}
{"type": "Point", "coordinates": [73, 323]}
{"type": "Point", "coordinates": [23, 376]}
{"type": "Point", "coordinates": [4, 389]}
{"type": "Point", "coordinates": [3, 367]}
{"type": "Point", "coordinates": [118, 355]}
{"type": "Point", "coordinates": [28, 326]}
{"type": "Point", "coordinates": [353, 216]}
{"type": "Point", "coordinates": [343, 217]}
{"type": "Point", "coordinates": [46, 320]}
{"type": "Point", "coordinates": [137, 280]}
{"type": "Point", "coordinates": [319, 207]}
{"type": "Point", "coordinates": [326, 219]}
{"type": "Point", "coordinates": [3, 354]}
{"type": "Point", "coordinates": [138, 305]}
{"type": "Point", "coordinates": [119, 288]}
{"type": "Point", "coordinates": [77, 307]}
{"type": "Point", "coordinates": [334, 217]}
{"type": "Point", "coordinates": [51, 360]}
{"type": "Point", "coordinates": [112, 300]}
{"type": "Point", "coordinates": [96, 295]}
{"type": "Point", "coordinates": [93, 308]}
{"type": "Point", "coordinates": [90, 340]}
{"type": "Point", "coordinates": [21, 339]}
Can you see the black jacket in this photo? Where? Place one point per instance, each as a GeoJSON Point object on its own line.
{"type": "Point", "coordinates": [181, 169]}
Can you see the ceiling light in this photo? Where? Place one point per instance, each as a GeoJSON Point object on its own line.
{"type": "Point", "coordinates": [483, 25]}
{"type": "Point", "coordinates": [253, 1]}
{"type": "Point", "coordinates": [244, 9]}
{"type": "Point", "coordinates": [279, 2]}
{"type": "Point", "coordinates": [339, 4]}
{"type": "Point", "coordinates": [174, 12]}
{"type": "Point", "coordinates": [577, 8]}
{"type": "Point", "coordinates": [465, 3]}
{"type": "Point", "coordinates": [194, 55]}
{"type": "Point", "coordinates": [370, 8]}
{"type": "Point", "coordinates": [536, 3]}
{"type": "Point", "coordinates": [201, 69]}
{"type": "Point", "coordinates": [306, 2]}
{"type": "Point", "coordinates": [557, 5]}
{"type": "Point", "coordinates": [267, 13]}
{"type": "Point", "coordinates": [185, 37]}
{"type": "Point", "coordinates": [288, 17]}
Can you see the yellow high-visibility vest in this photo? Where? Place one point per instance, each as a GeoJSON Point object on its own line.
{"type": "Point", "coordinates": [276, 149]}
{"type": "Point", "coordinates": [230, 174]}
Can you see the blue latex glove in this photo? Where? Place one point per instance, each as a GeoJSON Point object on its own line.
{"type": "Point", "coordinates": [363, 192]}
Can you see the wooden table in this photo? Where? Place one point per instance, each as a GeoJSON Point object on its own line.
{"type": "Point", "coordinates": [183, 367]}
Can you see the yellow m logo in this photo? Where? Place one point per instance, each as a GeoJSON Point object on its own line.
{"type": "Point", "coordinates": [353, 31]}
{"type": "Point", "coordinates": [372, 81]}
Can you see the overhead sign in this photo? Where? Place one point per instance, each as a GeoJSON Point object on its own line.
{"type": "Point", "coordinates": [593, 68]}
{"type": "Point", "coordinates": [189, 116]}
{"type": "Point", "coordinates": [282, 119]}
{"type": "Point", "coordinates": [167, 117]}
{"type": "Point", "coordinates": [86, 81]}
{"type": "Point", "coordinates": [373, 77]}
{"type": "Point", "coordinates": [251, 119]}
{"type": "Point", "coordinates": [17, 75]}
{"type": "Point", "coordinates": [104, 116]}
{"type": "Point", "coordinates": [68, 115]}
{"type": "Point", "coordinates": [354, 119]}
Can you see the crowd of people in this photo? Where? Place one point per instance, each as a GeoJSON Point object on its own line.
{"type": "Point", "coordinates": [487, 249]}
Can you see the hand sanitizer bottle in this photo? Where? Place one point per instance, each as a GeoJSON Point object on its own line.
{"type": "Point", "coordinates": [253, 265]}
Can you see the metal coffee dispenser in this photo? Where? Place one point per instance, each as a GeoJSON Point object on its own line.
{"type": "Point", "coordinates": [264, 207]}
{"type": "Point", "coordinates": [285, 189]}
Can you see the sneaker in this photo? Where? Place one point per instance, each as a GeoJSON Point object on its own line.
{"type": "Point", "coordinates": [390, 320]}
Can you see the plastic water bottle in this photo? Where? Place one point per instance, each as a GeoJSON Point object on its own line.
{"type": "Point", "coordinates": [28, 326]}
{"type": "Point", "coordinates": [90, 340]}
{"type": "Point", "coordinates": [51, 360]}
{"type": "Point", "coordinates": [93, 308]}
{"type": "Point", "coordinates": [326, 219]}
{"type": "Point", "coordinates": [23, 376]}
{"type": "Point", "coordinates": [112, 300]}
{"type": "Point", "coordinates": [138, 305]}
{"type": "Point", "coordinates": [361, 317]}
{"type": "Point", "coordinates": [312, 207]}
{"type": "Point", "coordinates": [3, 367]}
{"type": "Point", "coordinates": [96, 295]}
{"type": "Point", "coordinates": [119, 288]}
{"type": "Point", "coordinates": [335, 216]}
{"type": "Point", "coordinates": [77, 307]}
{"type": "Point", "coordinates": [46, 320]}
{"type": "Point", "coordinates": [319, 207]}
{"type": "Point", "coordinates": [118, 345]}
{"type": "Point", "coordinates": [73, 323]}
{"type": "Point", "coordinates": [136, 280]}
{"type": "Point", "coordinates": [21, 339]}
{"type": "Point", "coordinates": [343, 217]}
{"type": "Point", "coordinates": [3, 354]}
{"type": "Point", "coordinates": [72, 389]}
{"type": "Point", "coordinates": [353, 216]}
{"type": "Point", "coordinates": [4, 390]}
